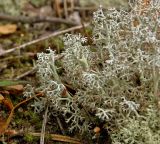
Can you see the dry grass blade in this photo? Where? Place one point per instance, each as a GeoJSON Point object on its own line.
{"type": "Point", "coordinates": [61, 138]}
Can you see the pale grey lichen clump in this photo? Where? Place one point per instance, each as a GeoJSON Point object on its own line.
{"type": "Point", "coordinates": [116, 78]}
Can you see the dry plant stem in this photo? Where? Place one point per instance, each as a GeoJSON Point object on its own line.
{"type": "Point", "coordinates": [61, 138]}
{"type": "Point", "coordinates": [44, 126]}
{"type": "Point", "coordinates": [33, 70]}
{"type": "Point", "coordinates": [60, 125]}
{"type": "Point", "coordinates": [43, 38]}
{"type": "Point", "coordinates": [9, 58]}
{"type": "Point", "coordinates": [37, 95]}
{"type": "Point", "coordinates": [32, 20]}
{"type": "Point", "coordinates": [54, 137]}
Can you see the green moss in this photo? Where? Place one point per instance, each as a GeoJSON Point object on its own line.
{"type": "Point", "coordinates": [30, 138]}
{"type": "Point", "coordinates": [33, 119]}
{"type": "Point", "coordinates": [58, 44]}
{"type": "Point", "coordinates": [19, 121]}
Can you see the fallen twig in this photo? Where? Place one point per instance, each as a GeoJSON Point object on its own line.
{"type": "Point", "coordinates": [43, 38]}
{"type": "Point", "coordinates": [31, 20]}
{"type": "Point", "coordinates": [61, 138]}
{"type": "Point", "coordinates": [26, 73]}
{"type": "Point", "coordinates": [60, 125]}
{"type": "Point", "coordinates": [54, 137]}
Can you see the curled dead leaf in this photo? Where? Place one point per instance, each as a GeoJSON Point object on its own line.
{"type": "Point", "coordinates": [7, 102]}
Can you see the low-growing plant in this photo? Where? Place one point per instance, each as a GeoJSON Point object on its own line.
{"type": "Point", "coordinates": [115, 79]}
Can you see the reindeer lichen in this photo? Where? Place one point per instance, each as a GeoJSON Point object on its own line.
{"type": "Point", "coordinates": [116, 79]}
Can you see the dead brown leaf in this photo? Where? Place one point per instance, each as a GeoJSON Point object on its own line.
{"type": "Point", "coordinates": [4, 92]}
{"type": "Point", "coordinates": [8, 29]}
{"type": "Point", "coordinates": [15, 88]}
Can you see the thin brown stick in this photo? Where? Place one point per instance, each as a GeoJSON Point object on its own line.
{"type": "Point", "coordinates": [32, 71]}
{"type": "Point", "coordinates": [54, 137]}
{"type": "Point", "coordinates": [44, 126]}
{"type": "Point", "coordinates": [42, 38]}
{"type": "Point", "coordinates": [24, 101]}
{"type": "Point", "coordinates": [31, 20]}
{"type": "Point", "coordinates": [61, 138]}
{"type": "Point", "coordinates": [60, 125]}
